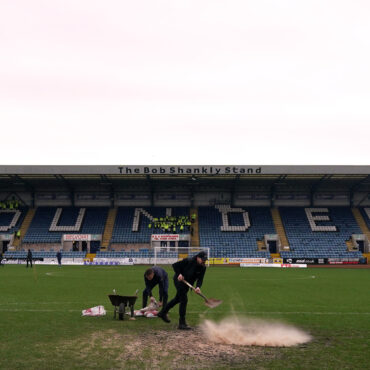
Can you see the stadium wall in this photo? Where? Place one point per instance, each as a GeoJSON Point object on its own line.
{"type": "Point", "coordinates": [204, 199]}
{"type": "Point", "coordinates": [26, 197]}
{"type": "Point", "coordinates": [208, 198]}
{"type": "Point", "coordinates": [117, 247]}
{"type": "Point", "coordinates": [183, 199]}
{"type": "Point", "coordinates": [40, 247]}
{"type": "Point", "coordinates": [361, 198]}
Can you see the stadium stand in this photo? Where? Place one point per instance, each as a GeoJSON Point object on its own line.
{"type": "Point", "coordinates": [228, 232]}
{"type": "Point", "coordinates": [234, 233]}
{"type": "Point", "coordinates": [319, 232]}
{"type": "Point", "coordinates": [120, 208]}
{"type": "Point", "coordinates": [92, 222]}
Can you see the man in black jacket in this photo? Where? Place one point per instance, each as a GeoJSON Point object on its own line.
{"type": "Point", "coordinates": [29, 257]}
{"type": "Point", "coordinates": [152, 277]}
{"type": "Point", "coordinates": [59, 258]}
{"type": "Point", "coordinates": [192, 270]}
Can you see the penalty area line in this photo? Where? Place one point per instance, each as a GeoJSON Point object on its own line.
{"type": "Point", "coordinates": [41, 303]}
{"type": "Point", "coordinates": [289, 313]}
{"type": "Point", "coordinates": [281, 279]}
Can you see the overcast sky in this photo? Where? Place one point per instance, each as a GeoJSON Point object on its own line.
{"type": "Point", "coordinates": [185, 82]}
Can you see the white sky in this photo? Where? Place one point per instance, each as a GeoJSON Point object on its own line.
{"type": "Point", "coordinates": [185, 82]}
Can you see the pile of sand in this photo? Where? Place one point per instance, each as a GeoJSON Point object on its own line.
{"type": "Point", "coordinates": [253, 332]}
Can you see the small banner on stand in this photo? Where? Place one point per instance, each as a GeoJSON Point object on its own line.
{"type": "Point", "coordinates": [165, 237]}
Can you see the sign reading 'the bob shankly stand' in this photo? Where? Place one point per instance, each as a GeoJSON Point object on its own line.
{"type": "Point", "coordinates": [178, 170]}
{"type": "Point", "coordinates": [190, 170]}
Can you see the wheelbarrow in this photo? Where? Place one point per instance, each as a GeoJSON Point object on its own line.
{"type": "Point", "coordinates": [120, 303]}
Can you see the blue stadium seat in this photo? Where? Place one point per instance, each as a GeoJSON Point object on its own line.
{"type": "Point", "coordinates": [6, 217]}
{"type": "Point", "coordinates": [38, 232]}
{"type": "Point", "coordinates": [306, 243]}
{"type": "Point", "coordinates": [234, 244]}
{"type": "Point", "coordinates": [122, 231]}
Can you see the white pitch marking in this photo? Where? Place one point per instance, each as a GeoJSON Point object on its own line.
{"type": "Point", "coordinates": [299, 278]}
{"type": "Point", "coordinates": [202, 312]}
{"type": "Point", "coordinates": [35, 310]}
{"type": "Point", "coordinates": [45, 303]}
{"type": "Point", "coordinates": [58, 273]}
{"type": "Point", "coordinates": [291, 313]}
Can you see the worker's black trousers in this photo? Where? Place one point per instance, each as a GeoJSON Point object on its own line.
{"type": "Point", "coordinates": [181, 297]}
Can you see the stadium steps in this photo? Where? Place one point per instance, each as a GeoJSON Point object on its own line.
{"type": "Point", "coordinates": [108, 230]}
{"type": "Point", "coordinates": [261, 245]}
{"type": "Point", "coordinates": [279, 227]}
{"type": "Point", "coordinates": [361, 222]}
{"type": "Point", "coordinates": [365, 230]}
{"type": "Point", "coordinates": [367, 256]}
{"type": "Point", "coordinates": [24, 227]}
{"type": "Point", "coordinates": [90, 256]}
{"type": "Point", "coordinates": [350, 246]}
{"type": "Point", "coordinates": [195, 226]}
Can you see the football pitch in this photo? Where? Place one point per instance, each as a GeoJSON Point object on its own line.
{"type": "Point", "coordinates": [41, 326]}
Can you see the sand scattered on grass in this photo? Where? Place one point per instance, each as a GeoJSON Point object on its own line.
{"type": "Point", "coordinates": [253, 332]}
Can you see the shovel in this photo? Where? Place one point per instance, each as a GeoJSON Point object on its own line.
{"type": "Point", "coordinates": [209, 302]}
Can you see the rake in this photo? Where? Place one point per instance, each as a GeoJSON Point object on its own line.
{"type": "Point", "coordinates": [209, 302]}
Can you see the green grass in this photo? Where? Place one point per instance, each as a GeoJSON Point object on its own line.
{"type": "Point", "coordinates": [41, 326]}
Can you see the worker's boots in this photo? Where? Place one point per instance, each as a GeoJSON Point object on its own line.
{"type": "Point", "coordinates": [183, 325]}
{"type": "Point", "coordinates": [164, 317]}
